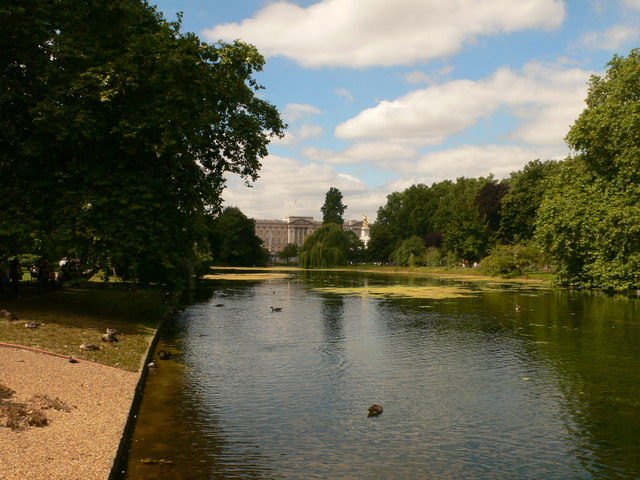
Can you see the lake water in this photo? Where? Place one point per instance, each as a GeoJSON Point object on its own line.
{"type": "Point", "coordinates": [471, 388]}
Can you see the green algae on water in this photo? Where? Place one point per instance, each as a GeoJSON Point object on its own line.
{"type": "Point", "coordinates": [425, 292]}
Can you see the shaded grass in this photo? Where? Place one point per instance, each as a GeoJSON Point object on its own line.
{"type": "Point", "coordinates": [73, 316]}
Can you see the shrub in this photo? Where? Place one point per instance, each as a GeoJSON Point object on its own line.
{"type": "Point", "coordinates": [510, 260]}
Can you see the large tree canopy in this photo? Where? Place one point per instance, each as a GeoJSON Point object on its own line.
{"type": "Point", "coordinates": [117, 131]}
{"type": "Point", "coordinates": [589, 220]}
{"type": "Point", "coordinates": [234, 241]}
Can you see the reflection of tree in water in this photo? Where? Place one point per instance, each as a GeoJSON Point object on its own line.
{"type": "Point", "coordinates": [332, 312]}
{"type": "Point", "coordinates": [591, 341]}
{"type": "Point", "coordinates": [179, 438]}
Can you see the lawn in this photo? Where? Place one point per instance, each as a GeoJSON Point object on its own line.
{"type": "Point", "coordinates": [72, 316]}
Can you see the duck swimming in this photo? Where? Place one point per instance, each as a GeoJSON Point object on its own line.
{"type": "Point", "coordinates": [276, 309]}
{"type": "Point", "coordinates": [164, 355]}
{"type": "Point", "coordinates": [375, 410]}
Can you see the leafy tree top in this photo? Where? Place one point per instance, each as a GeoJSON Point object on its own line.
{"type": "Point", "coordinates": [333, 208]}
{"type": "Point", "coordinates": [606, 132]}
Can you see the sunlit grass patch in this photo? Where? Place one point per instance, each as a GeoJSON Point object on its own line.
{"type": "Point", "coordinates": [427, 291]}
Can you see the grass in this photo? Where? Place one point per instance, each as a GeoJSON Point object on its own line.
{"type": "Point", "coordinates": [454, 273]}
{"type": "Point", "coordinates": [76, 315]}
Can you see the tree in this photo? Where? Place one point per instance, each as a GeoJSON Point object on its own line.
{"type": "Point", "coordinates": [489, 201]}
{"type": "Point", "coordinates": [290, 251]}
{"type": "Point", "coordinates": [465, 233]}
{"type": "Point", "coordinates": [326, 247]}
{"type": "Point", "coordinates": [410, 252]}
{"type": "Point", "coordinates": [333, 208]}
{"type": "Point", "coordinates": [589, 220]}
{"type": "Point", "coordinates": [234, 242]}
{"type": "Point", "coordinates": [522, 200]}
{"type": "Point", "coordinates": [116, 140]}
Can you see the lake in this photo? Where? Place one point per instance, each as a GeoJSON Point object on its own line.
{"type": "Point", "coordinates": [471, 387]}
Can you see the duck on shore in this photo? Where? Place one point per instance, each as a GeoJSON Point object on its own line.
{"type": "Point", "coordinates": [108, 337]}
{"type": "Point", "coordinates": [8, 315]}
{"type": "Point", "coordinates": [276, 309]}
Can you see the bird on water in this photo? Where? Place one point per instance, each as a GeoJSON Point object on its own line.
{"type": "Point", "coordinates": [375, 410]}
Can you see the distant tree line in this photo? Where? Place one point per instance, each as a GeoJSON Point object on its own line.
{"type": "Point", "coordinates": [581, 214]}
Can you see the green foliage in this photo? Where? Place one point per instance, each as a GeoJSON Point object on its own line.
{"type": "Point", "coordinates": [460, 213]}
{"type": "Point", "coordinates": [410, 252]}
{"type": "Point", "coordinates": [589, 221]}
{"type": "Point", "coordinates": [234, 242]}
{"type": "Point", "coordinates": [520, 204]}
{"type": "Point", "coordinates": [355, 253]}
{"type": "Point", "coordinates": [466, 234]}
{"type": "Point", "coordinates": [290, 251]}
{"type": "Point", "coordinates": [117, 132]}
{"type": "Point", "coordinates": [333, 208]}
{"type": "Point", "coordinates": [510, 260]}
{"type": "Point", "coordinates": [327, 247]}
{"type": "Point", "coordinates": [432, 257]}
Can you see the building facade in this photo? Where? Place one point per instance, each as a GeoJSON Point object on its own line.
{"type": "Point", "coordinates": [277, 234]}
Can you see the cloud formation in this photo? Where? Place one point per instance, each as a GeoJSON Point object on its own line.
{"type": "Point", "coordinates": [545, 98]}
{"type": "Point", "coordinates": [474, 161]}
{"type": "Point", "coordinates": [295, 188]}
{"type": "Point", "coordinates": [364, 33]}
{"type": "Point", "coordinates": [611, 38]}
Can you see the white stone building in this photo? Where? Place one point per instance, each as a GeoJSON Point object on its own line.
{"type": "Point", "coordinates": [276, 234]}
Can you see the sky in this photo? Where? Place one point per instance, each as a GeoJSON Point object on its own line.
{"type": "Point", "coordinates": [380, 95]}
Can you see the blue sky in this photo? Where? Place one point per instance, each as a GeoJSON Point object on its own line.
{"type": "Point", "coordinates": [382, 94]}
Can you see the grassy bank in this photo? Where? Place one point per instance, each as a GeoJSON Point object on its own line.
{"type": "Point", "coordinates": [459, 273]}
{"type": "Point", "coordinates": [76, 315]}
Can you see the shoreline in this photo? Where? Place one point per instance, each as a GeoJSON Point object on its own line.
{"type": "Point", "coordinates": [72, 420]}
{"type": "Point", "coordinates": [80, 441]}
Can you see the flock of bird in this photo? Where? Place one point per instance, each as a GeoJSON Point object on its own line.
{"type": "Point", "coordinates": [111, 335]}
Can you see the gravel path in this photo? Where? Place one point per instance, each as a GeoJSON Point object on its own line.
{"type": "Point", "coordinates": [78, 444]}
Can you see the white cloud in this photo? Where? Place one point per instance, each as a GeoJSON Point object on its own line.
{"type": "Point", "coordinates": [296, 111]}
{"type": "Point", "coordinates": [294, 136]}
{"type": "Point", "coordinates": [545, 98]}
{"type": "Point", "coordinates": [474, 161]}
{"type": "Point", "coordinates": [361, 152]}
{"type": "Point", "coordinates": [344, 93]}
{"type": "Point", "coordinates": [362, 33]}
{"type": "Point", "coordinates": [291, 187]}
{"type": "Point", "coordinates": [297, 114]}
{"type": "Point", "coordinates": [632, 4]}
{"type": "Point", "coordinates": [612, 38]}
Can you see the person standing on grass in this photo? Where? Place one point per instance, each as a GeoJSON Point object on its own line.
{"type": "Point", "coordinates": [15, 275]}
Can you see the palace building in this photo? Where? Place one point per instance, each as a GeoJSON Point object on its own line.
{"type": "Point", "coordinates": [277, 234]}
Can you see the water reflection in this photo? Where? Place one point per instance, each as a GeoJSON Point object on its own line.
{"type": "Point", "coordinates": [471, 387]}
